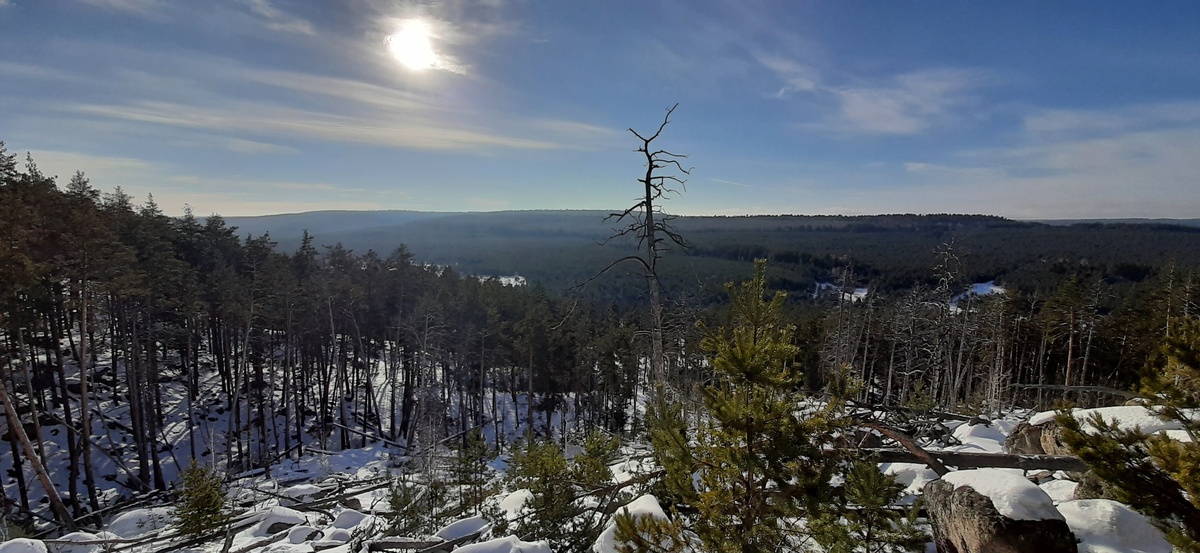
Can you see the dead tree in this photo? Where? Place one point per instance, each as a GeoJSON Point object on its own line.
{"type": "Point", "coordinates": [646, 221]}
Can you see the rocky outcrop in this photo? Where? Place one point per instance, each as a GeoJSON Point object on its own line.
{"type": "Point", "coordinates": [965, 521]}
{"type": "Point", "coordinates": [1052, 442]}
{"type": "Point", "coordinates": [1024, 439]}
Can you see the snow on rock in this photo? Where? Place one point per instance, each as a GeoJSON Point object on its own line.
{"type": "Point", "coordinates": [348, 519]}
{"type": "Point", "coordinates": [301, 534]}
{"type": "Point", "coordinates": [509, 544]}
{"type": "Point", "coordinates": [987, 438]}
{"type": "Point", "coordinates": [514, 504]}
{"type": "Point", "coordinates": [1105, 526]}
{"type": "Point", "coordinates": [462, 528]}
{"type": "Point", "coordinates": [275, 520]}
{"type": "Point", "coordinates": [1013, 496]}
{"type": "Point", "coordinates": [288, 548]}
{"type": "Point", "coordinates": [644, 505]}
{"type": "Point", "coordinates": [1060, 491]}
{"type": "Point", "coordinates": [81, 548]}
{"type": "Point", "coordinates": [1129, 416]}
{"type": "Point", "coordinates": [22, 545]}
{"type": "Point", "coordinates": [302, 491]}
{"type": "Point", "coordinates": [1005, 426]}
{"type": "Point", "coordinates": [139, 522]}
{"type": "Point", "coordinates": [913, 476]}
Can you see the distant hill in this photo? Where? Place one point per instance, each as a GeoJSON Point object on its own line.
{"type": "Point", "coordinates": [1132, 221]}
{"type": "Point", "coordinates": [560, 249]}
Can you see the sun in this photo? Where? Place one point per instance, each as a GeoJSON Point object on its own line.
{"type": "Point", "coordinates": [411, 45]}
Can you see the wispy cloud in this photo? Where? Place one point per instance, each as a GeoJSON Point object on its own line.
{"type": "Point", "coordinates": [731, 183]}
{"type": "Point", "coordinates": [904, 104]}
{"type": "Point", "coordinates": [276, 19]}
{"type": "Point", "coordinates": [266, 119]}
{"type": "Point", "coordinates": [1147, 116]}
{"type": "Point", "coordinates": [797, 77]}
{"type": "Point", "coordinates": [220, 96]}
{"type": "Point", "coordinates": [1130, 161]}
{"type": "Point", "coordinates": [254, 147]}
{"type": "Point", "coordinates": [140, 7]}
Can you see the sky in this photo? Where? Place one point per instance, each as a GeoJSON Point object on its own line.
{"type": "Point", "coordinates": [1023, 109]}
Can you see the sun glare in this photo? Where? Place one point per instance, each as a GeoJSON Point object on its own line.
{"type": "Point", "coordinates": [411, 45]}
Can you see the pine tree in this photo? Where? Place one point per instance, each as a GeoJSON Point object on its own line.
{"type": "Point", "coordinates": [1154, 474]}
{"type": "Point", "coordinates": [868, 522]}
{"type": "Point", "coordinates": [762, 460]}
{"type": "Point", "coordinates": [201, 506]}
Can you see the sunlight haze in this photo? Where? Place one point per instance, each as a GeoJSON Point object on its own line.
{"type": "Point", "coordinates": [1027, 110]}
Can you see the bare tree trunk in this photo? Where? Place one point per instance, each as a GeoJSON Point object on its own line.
{"type": "Point", "coordinates": [85, 425]}
{"type": "Point", "coordinates": [14, 426]}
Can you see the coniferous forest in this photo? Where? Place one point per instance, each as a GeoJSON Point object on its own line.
{"type": "Point", "coordinates": [138, 348]}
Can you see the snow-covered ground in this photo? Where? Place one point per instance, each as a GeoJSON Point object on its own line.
{"type": "Point", "coordinates": [292, 507]}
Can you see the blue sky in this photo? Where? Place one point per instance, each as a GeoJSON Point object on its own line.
{"type": "Point", "coordinates": [243, 107]}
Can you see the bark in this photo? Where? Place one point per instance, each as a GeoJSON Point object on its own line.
{"type": "Point", "coordinates": [14, 426]}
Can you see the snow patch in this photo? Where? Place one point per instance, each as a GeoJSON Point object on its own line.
{"type": "Point", "coordinates": [22, 545]}
{"type": "Point", "coordinates": [139, 522]}
{"type": "Point", "coordinates": [1011, 494]}
{"type": "Point", "coordinates": [514, 505]}
{"type": "Point", "coordinates": [349, 519]}
{"type": "Point", "coordinates": [462, 528]}
{"type": "Point", "coordinates": [1061, 491]}
{"type": "Point", "coordinates": [913, 476]}
{"type": "Point", "coordinates": [987, 438]}
{"type": "Point", "coordinates": [1128, 416]}
{"type": "Point", "coordinates": [509, 544]}
{"type": "Point", "coordinates": [644, 505]}
{"type": "Point", "coordinates": [1105, 526]}
{"type": "Point", "coordinates": [277, 515]}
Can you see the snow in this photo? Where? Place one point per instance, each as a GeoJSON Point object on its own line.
{"type": "Point", "coordinates": [22, 545]}
{"type": "Point", "coordinates": [462, 528]}
{"type": "Point", "coordinates": [989, 439]}
{"type": "Point", "coordinates": [509, 544]}
{"type": "Point", "coordinates": [349, 519]}
{"type": "Point", "coordinates": [1060, 491]}
{"type": "Point", "coordinates": [514, 504]}
{"type": "Point", "coordinates": [1012, 495]}
{"type": "Point", "coordinates": [80, 536]}
{"type": "Point", "coordinates": [1129, 417]}
{"type": "Point", "coordinates": [913, 476]}
{"type": "Point", "coordinates": [300, 534]}
{"type": "Point", "coordinates": [859, 294]}
{"type": "Point", "coordinates": [1105, 526]}
{"type": "Point", "coordinates": [276, 515]}
{"type": "Point", "coordinates": [644, 505]}
{"type": "Point", "coordinates": [139, 522]}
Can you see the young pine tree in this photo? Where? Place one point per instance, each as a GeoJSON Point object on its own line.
{"type": "Point", "coordinates": [201, 506]}
{"type": "Point", "coordinates": [762, 459]}
{"type": "Point", "coordinates": [1155, 474]}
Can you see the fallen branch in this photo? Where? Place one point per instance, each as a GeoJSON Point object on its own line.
{"type": "Point", "coordinates": [909, 444]}
{"type": "Point", "coordinates": [962, 459]}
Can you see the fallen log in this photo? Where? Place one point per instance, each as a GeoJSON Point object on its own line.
{"type": "Point", "coordinates": [962, 459]}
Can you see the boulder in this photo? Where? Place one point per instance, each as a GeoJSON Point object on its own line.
{"type": "Point", "coordinates": [1092, 487]}
{"type": "Point", "coordinates": [966, 521]}
{"type": "Point", "coordinates": [1025, 439]}
{"type": "Point", "coordinates": [1052, 442]}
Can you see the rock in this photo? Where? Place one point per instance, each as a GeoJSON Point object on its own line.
{"type": "Point", "coordinates": [1052, 442]}
{"type": "Point", "coordinates": [1025, 439]}
{"type": "Point", "coordinates": [277, 527]}
{"type": "Point", "coordinates": [965, 521]}
{"type": "Point", "coordinates": [1092, 487]}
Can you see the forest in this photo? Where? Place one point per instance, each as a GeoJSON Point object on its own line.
{"type": "Point", "coordinates": [172, 321]}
